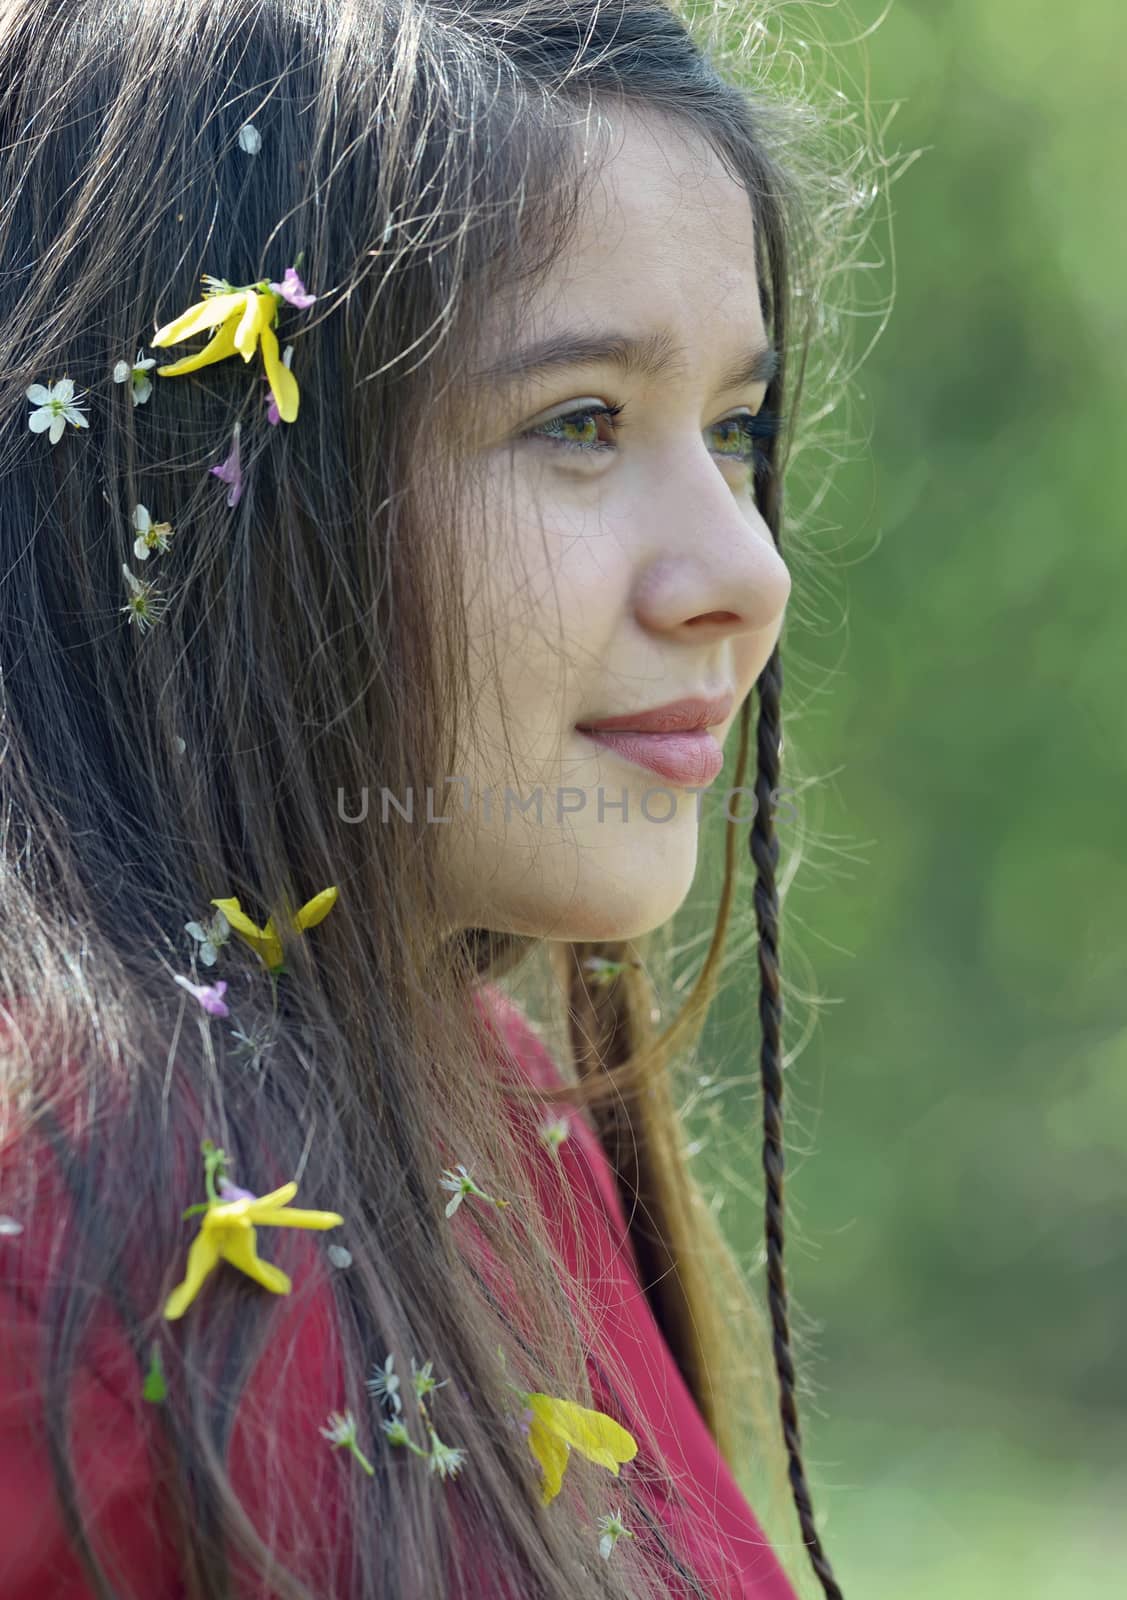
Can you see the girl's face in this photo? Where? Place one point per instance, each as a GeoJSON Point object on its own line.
{"type": "Point", "coordinates": [619, 563]}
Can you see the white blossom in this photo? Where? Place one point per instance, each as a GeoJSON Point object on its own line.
{"type": "Point", "coordinates": [555, 1132]}
{"type": "Point", "coordinates": [384, 1384]}
{"type": "Point", "coordinates": [145, 604]}
{"type": "Point", "coordinates": [444, 1458]}
{"type": "Point", "coordinates": [612, 1529]}
{"type": "Point", "coordinates": [150, 535]}
{"type": "Point", "coordinates": [210, 936]}
{"type": "Point", "coordinates": [341, 1429]}
{"type": "Point", "coordinates": [396, 1430]}
{"type": "Point", "coordinates": [422, 1379]}
{"type": "Point", "coordinates": [55, 407]}
{"type": "Point", "coordinates": [138, 372]}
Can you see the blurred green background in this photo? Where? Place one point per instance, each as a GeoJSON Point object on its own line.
{"type": "Point", "coordinates": [954, 938]}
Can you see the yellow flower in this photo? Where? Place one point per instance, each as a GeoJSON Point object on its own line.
{"type": "Point", "coordinates": [227, 1233]}
{"type": "Point", "coordinates": [265, 941]}
{"type": "Point", "coordinates": [559, 1426]}
{"type": "Point", "coordinates": [242, 319]}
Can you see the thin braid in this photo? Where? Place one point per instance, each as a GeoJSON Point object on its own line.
{"type": "Point", "coordinates": [764, 846]}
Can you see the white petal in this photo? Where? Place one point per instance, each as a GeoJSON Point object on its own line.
{"type": "Point", "coordinates": [64, 389]}
{"type": "Point", "coordinates": [57, 426]}
{"type": "Point", "coordinates": [121, 371]}
{"type": "Point", "coordinates": [141, 391]}
{"type": "Point", "coordinates": [74, 416]}
{"type": "Point", "coordinates": [141, 519]}
{"type": "Point", "coordinates": [250, 139]}
{"type": "Point", "coordinates": [143, 366]}
{"type": "Point", "coordinates": [40, 420]}
{"type": "Point", "coordinates": [140, 550]}
{"type": "Point", "coordinates": [38, 395]}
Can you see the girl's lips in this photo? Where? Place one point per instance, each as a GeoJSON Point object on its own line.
{"type": "Point", "coordinates": [693, 758]}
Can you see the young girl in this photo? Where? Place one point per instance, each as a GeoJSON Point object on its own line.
{"type": "Point", "coordinates": [390, 495]}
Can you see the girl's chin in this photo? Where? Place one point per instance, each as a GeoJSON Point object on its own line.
{"type": "Point", "coordinates": [597, 915]}
{"type": "Point", "coordinates": [608, 881]}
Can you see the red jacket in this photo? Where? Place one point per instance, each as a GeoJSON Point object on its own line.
{"type": "Point", "coordinates": [710, 1524]}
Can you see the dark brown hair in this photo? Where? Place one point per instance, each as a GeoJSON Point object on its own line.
{"type": "Point", "coordinates": [415, 154]}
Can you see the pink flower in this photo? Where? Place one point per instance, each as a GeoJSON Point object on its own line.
{"type": "Point", "coordinates": [293, 291]}
{"type": "Point", "coordinates": [231, 1191]}
{"type": "Point", "coordinates": [209, 995]}
{"type": "Point", "coordinates": [231, 471]}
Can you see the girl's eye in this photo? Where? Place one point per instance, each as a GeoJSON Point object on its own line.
{"type": "Point", "coordinates": [560, 430]}
{"type": "Point", "coordinates": [740, 434]}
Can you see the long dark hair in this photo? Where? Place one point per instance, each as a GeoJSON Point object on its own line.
{"type": "Point", "coordinates": [413, 155]}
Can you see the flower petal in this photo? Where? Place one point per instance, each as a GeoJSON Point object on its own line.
{"type": "Point", "coordinates": [276, 1197]}
{"type": "Point", "coordinates": [551, 1452]}
{"type": "Point", "coordinates": [231, 472]}
{"type": "Point", "coordinates": [38, 394]}
{"type": "Point", "coordinates": [238, 919]}
{"type": "Point", "coordinates": [293, 1218]}
{"type": "Point", "coordinates": [40, 420]}
{"type": "Point", "coordinates": [207, 313]}
{"type": "Point", "coordinates": [317, 909]}
{"type": "Point", "coordinates": [250, 323]}
{"type": "Point", "coordinates": [202, 1258]}
{"type": "Point", "coordinates": [271, 950]}
{"type": "Point", "coordinates": [238, 1246]}
{"type": "Point", "coordinates": [592, 1433]}
{"type": "Point", "coordinates": [218, 348]}
{"type": "Point", "coordinates": [266, 947]}
{"type": "Point", "coordinates": [64, 389]}
{"type": "Point", "coordinates": [283, 384]}
{"type": "Point", "coordinates": [263, 941]}
{"type": "Point", "coordinates": [293, 291]}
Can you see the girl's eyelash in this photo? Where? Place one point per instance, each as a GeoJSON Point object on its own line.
{"type": "Point", "coordinates": [763, 425]}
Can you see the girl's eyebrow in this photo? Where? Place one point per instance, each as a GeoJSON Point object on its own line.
{"type": "Point", "coordinates": [655, 355]}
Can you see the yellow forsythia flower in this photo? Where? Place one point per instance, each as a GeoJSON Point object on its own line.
{"type": "Point", "coordinates": [559, 1426]}
{"type": "Point", "coordinates": [242, 318]}
{"type": "Point", "coordinates": [265, 941]}
{"type": "Point", "coordinates": [227, 1234]}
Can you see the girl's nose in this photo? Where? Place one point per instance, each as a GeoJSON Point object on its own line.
{"type": "Point", "coordinates": [718, 573]}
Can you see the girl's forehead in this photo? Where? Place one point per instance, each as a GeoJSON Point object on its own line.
{"type": "Point", "coordinates": [662, 232]}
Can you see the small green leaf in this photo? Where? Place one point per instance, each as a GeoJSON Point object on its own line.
{"type": "Point", "coordinates": [155, 1388]}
